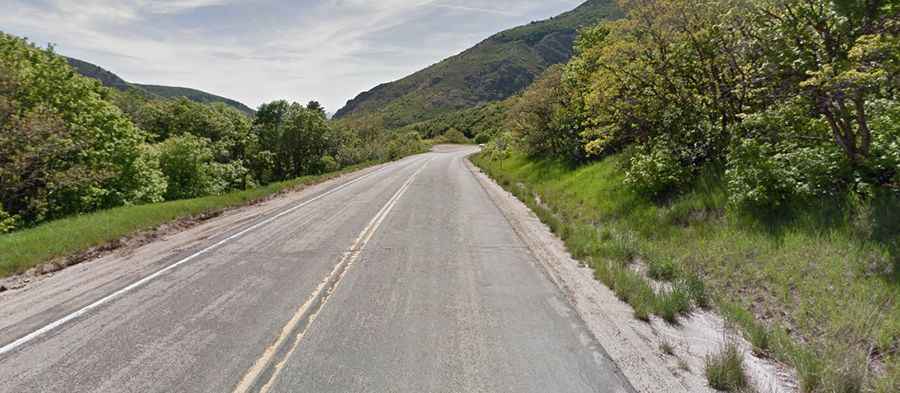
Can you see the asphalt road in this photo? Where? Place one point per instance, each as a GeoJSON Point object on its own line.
{"type": "Point", "coordinates": [403, 278]}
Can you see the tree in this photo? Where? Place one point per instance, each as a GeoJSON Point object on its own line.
{"type": "Point", "coordinates": [297, 136]}
{"type": "Point", "coordinates": [186, 162]}
{"type": "Point", "coordinates": [65, 147]}
{"type": "Point", "coordinates": [543, 121]}
{"type": "Point", "coordinates": [840, 54]}
{"type": "Point", "coordinates": [315, 106]}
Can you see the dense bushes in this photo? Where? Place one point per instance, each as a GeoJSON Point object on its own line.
{"type": "Point", "coordinates": [483, 121]}
{"type": "Point", "coordinates": [542, 120]}
{"type": "Point", "coordinates": [793, 99]}
{"type": "Point", "coordinates": [64, 148]}
{"type": "Point", "coordinates": [69, 146]}
{"type": "Point", "coordinates": [186, 162]}
{"type": "Point", "coordinates": [454, 136]}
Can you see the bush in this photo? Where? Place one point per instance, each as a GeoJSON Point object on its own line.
{"type": "Point", "coordinates": [760, 175]}
{"type": "Point", "coordinates": [455, 136]}
{"type": "Point", "coordinates": [482, 139]}
{"type": "Point", "coordinates": [655, 169]}
{"type": "Point", "coordinates": [65, 148]}
{"type": "Point", "coordinates": [7, 222]}
{"type": "Point", "coordinates": [186, 162]}
{"type": "Point", "coordinates": [329, 164]}
{"type": "Point", "coordinates": [404, 144]}
{"type": "Point", "coordinates": [224, 177]}
{"type": "Point", "coordinates": [499, 148]}
{"type": "Point", "coordinates": [886, 141]}
{"type": "Point", "coordinates": [543, 122]}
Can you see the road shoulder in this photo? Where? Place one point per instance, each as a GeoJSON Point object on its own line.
{"type": "Point", "coordinates": [634, 345]}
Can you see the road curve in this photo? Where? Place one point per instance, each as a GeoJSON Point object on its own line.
{"type": "Point", "coordinates": [401, 278]}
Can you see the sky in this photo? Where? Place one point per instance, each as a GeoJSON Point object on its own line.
{"type": "Point", "coordinates": [260, 51]}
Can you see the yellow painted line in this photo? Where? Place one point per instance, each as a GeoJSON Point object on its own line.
{"type": "Point", "coordinates": [320, 296]}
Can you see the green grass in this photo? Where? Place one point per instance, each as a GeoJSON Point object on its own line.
{"type": "Point", "coordinates": [21, 250]}
{"type": "Point", "coordinates": [812, 285]}
{"type": "Point", "coordinates": [725, 370]}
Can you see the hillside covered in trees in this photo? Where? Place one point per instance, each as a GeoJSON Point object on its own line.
{"type": "Point", "coordinates": [109, 79]}
{"type": "Point", "coordinates": [493, 70]}
{"type": "Point", "coordinates": [69, 145]}
{"type": "Point", "coordinates": [748, 151]}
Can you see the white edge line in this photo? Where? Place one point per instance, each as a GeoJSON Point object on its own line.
{"type": "Point", "coordinates": [74, 315]}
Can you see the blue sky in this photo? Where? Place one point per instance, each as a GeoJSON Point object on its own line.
{"type": "Point", "coordinates": [258, 51]}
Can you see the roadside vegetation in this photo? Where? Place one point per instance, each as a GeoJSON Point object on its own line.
{"type": "Point", "coordinates": [745, 155]}
{"type": "Point", "coordinates": [69, 146]}
{"type": "Point", "coordinates": [66, 237]}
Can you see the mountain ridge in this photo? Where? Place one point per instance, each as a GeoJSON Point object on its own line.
{"type": "Point", "coordinates": [492, 70]}
{"type": "Point", "coordinates": [110, 79]}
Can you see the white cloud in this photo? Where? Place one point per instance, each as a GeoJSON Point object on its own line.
{"type": "Point", "coordinates": [328, 50]}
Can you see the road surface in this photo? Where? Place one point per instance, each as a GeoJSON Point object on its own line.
{"type": "Point", "coordinates": [401, 278]}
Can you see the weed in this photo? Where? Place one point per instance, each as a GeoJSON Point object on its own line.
{"type": "Point", "coordinates": [666, 347]}
{"type": "Point", "coordinates": [671, 304]}
{"type": "Point", "coordinates": [759, 337]}
{"type": "Point", "coordinates": [725, 370]}
{"type": "Point", "coordinates": [809, 370]}
{"type": "Point", "coordinates": [661, 269]}
{"type": "Point", "coordinates": [696, 290]}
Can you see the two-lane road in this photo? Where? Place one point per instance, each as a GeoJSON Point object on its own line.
{"type": "Point", "coordinates": [404, 278]}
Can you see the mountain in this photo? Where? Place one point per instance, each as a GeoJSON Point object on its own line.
{"type": "Point", "coordinates": [105, 77]}
{"type": "Point", "coordinates": [193, 95]}
{"type": "Point", "coordinates": [109, 79]}
{"type": "Point", "coordinates": [492, 70]}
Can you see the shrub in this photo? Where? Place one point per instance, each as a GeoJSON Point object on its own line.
{"type": "Point", "coordinates": [455, 136]}
{"type": "Point", "coordinates": [542, 121]}
{"type": "Point", "coordinates": [482, 139]}
{"type": "Point", "coordinates": [224, 177]}
{"type": "Point", "coordinates": [65, 148]}
{"type": "Point", "coordinates": [764, 176]}
{"type": "Point", "coordinates": [404, 144]}
{"type": "Point", "coordinates": [8, 222]}
{"type": "Point", "coordinates": [886, 141]}
{"type": "Point", "coordinates": [186, 162]}
{"type": "Point", "coordinates": [498, 148]}
{"type": "Point", "coordinates": [655, 169]}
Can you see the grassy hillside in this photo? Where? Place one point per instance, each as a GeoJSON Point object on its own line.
{"type": "Point", "coordinates": [813, 285]}
{"type": "Point", "coordinates": [109, 79]}
{"type": "Point", "coordinates": [493, 70]}
{"type": "Point", "coordinates": [193, 95]}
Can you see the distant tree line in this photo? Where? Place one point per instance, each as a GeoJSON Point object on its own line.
{"type": "Point", "coordinates": [69, 145]}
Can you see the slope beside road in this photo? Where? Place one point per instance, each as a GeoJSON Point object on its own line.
{"type": "Point", "coordinates": [405, 277]}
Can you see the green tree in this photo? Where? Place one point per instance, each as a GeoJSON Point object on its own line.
{"type": "Point", "coordinates": [186, 161]}
{"type": "Point", "coordinates": [841, 55]}
{"type": "Point", "coordinates": [543, 120]}
{"type": "Point", "coordinates": [65, 147]}
{"type": "Point", "coordinates": [299, 138]}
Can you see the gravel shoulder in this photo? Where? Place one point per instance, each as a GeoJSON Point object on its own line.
{"type": "Point", "coordinates": [634, 345]}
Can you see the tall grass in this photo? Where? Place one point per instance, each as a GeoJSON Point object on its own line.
{"type": "Point", "coordinates": [24, 249]}
{"type": "Point", "coordinates": [819, 277]}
